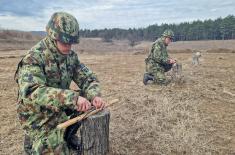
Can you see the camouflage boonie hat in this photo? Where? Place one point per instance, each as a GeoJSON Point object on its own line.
{"type": "Point", "coordinates": [63, 27]}
{"type": "Point", "coordinates": [168, 33]}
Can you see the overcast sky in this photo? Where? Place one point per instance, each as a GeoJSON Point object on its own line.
{"type": "Point", "coordinates": [33, 15]}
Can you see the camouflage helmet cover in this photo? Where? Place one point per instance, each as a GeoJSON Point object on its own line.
{"type": "Point", "coordinates": [63, 27]}
{"type": "Point", "coordinates": [168, 33]}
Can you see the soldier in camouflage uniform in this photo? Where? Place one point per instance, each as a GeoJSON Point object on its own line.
{"type": "Point", "coordinates": [45, 100]}
{"type": "Point", "coordinates": [158, 61]}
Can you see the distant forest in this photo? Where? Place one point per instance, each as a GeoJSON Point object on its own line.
{"type": "Point", "coordinates": [218, 29]}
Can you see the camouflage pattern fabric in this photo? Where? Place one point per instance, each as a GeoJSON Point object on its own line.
{"type": "Point", "coordinates": [168, 33]}
{"type": "Point", "coordinates": [157, 61]}
{"type": "Point", "coordinates": [44, 76]}
{"type": "Point", "coordinates": [63, 27]}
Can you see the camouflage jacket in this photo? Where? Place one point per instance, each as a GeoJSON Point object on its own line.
{"type": "Point", "coordinates": [158, 54]}
{"type": "Point", "coordinates": [44, 76]}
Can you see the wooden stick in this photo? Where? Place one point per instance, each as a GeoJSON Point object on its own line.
{"type": "Point", "coordinates": [83, 116]}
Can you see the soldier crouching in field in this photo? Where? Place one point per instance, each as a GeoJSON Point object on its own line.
{"type": "Point", "coordinates": [45, 100]}
{"type": "Point", "coordinates": [158, 61]}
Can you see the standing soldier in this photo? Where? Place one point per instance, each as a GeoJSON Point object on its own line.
{"type": "Point", "coordinates": [158, 61]}
{"type": "Point", "coordinates": [45, 100]}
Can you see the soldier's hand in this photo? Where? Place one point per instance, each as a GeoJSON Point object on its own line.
{"type": "Point", "coordinates": [83, 104]}
{"type": "Point", "coordinates": [98, 102]}
{"type": "Point", "coordinates": [172, 61]}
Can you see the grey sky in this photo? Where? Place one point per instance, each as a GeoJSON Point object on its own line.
{"type": "Point", "coordinates": [32, 15]}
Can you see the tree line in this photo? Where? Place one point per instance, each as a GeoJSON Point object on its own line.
{"type": "Point", "coordinates": [218, 29]}
{"type": "Point", "coordinates": [15, 35]}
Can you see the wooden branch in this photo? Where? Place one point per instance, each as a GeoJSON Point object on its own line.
{"type": "Point", "coordinates": [84, 116]}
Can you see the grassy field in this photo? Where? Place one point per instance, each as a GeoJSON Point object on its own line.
{"type": "Point", "coordinates": [196, 117]}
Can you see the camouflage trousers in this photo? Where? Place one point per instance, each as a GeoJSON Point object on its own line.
{"type": "Point", "coordinates": [158, 71]}
{"type": "Point", "coordinates": [51, 144]}
{"type": "Point", "coordinates": [51, 141]}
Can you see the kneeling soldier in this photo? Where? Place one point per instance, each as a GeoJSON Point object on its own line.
{"type": "Point", "coordinates": [158, 61]}
{"type": "Point", "coordinates": [45, 100]}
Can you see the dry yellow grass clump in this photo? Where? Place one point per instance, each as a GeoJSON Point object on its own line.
{"type": "Point", "coordinates": [193, 117]}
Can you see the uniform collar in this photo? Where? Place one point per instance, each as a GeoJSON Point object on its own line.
{"type": "Point", "coordinates": [163, 41]}
{"type": "Point", "coordinates": [51, 45]}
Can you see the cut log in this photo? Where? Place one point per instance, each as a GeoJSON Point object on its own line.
{"type": "Point", "coordinates": [94, 134]}
{"type": "Point", "coordinates": [195, 58]}
{"type": "Point", "coordinates": [177, 73]}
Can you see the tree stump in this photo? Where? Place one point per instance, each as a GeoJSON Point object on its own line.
{"type": "Point", "coordinates": [94, 134]}
{"type": "Point", "coordinates": [195, 58]}
{"type": "Point", "coordinates": [177, 72]}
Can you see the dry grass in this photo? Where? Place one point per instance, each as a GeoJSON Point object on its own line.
{"type": "Point", "coordinates": [203, 45]}
{"type": "Point", "coordinates": [195, 117]}
{"type": "Point", "coordinates": [15, 40]}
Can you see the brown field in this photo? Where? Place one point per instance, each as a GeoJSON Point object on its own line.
{"type": "Point", "coordinates": [196, 117]}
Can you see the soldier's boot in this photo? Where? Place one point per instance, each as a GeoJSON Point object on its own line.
{"type": "Point", "coordinates": [27, 145]}
{"type": "Point", "coordinates": [73, 141]}
{"type": "Point", "coordinates": [147, 77]}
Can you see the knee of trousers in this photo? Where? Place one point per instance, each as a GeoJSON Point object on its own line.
{"type": "Point", "coordinates": [159, 76]}
{"type": "Point", "coordinates": [52, 142]}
